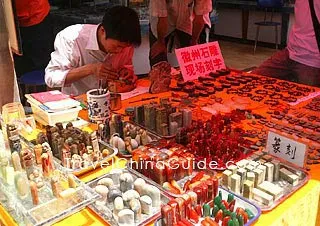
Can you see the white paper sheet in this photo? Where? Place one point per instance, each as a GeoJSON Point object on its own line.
{"type": "Point", "coordinates": [136, 92]}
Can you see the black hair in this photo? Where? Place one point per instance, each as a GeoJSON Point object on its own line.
{"type": "Point", "coordinates": [122, 23]}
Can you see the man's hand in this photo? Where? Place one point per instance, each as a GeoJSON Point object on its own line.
{"type": "Point", "coordinates": [105, 71]}
{"type": "Point", "coordinates": [132, 79]}
{"type": "Point", "coordinates": [157, 48]}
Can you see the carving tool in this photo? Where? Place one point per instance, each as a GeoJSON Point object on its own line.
{"type": "Point", "coordinates": [143, 99]}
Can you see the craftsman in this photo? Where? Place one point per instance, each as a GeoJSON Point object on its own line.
{"type": "Point", "coordinates": [86, 53]}
{"type": "Point", "coordinates": [300, 60]}
{"type": "Point", "coordinates": [175, 19]}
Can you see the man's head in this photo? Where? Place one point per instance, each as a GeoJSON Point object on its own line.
{"type": "Point", "coordinates": [120, 28]}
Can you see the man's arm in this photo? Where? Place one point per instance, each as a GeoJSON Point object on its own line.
{"type": "Point", "coordinates": [76, 74]}
{"type": "Point", "coordinates": [100, 70]}
{"type": "Point", "coordinates": [63, 61]}
{"type": "Point", "coordinates": [201, 8]}
{"type": "Point", "coordinates": [158, 9]}
{"type": "Point", "coordinates": [162, 29]}
{"type": "Point", "coordinates": [160, 45]}
{"type": "Point", "coordinates": [197, 27]}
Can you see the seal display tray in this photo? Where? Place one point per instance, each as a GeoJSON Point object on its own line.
{"type": "Point", "coordinates": [50, 209]}
{"type": "Point", "coordinates": [288, 189]}
{"type": "Point", "coordinates": [240, 202]}
{"type": "Point", "coordinates": [106, 211]}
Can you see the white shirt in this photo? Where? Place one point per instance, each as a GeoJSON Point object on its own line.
{"type": "Point", "coordinates": [179, 13]}
{"type": "Point", "coordinates": [76, 46]}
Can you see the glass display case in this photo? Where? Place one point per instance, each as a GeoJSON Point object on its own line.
{"type": "Point", "coordinates": [36, 193]}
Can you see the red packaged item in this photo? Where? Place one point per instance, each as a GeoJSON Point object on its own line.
{"type": "Point", "coordinates": [169, 187]}
{"type": "Point", "coordinates": [188, 210]}
{"type": "Point", "coordinates": [205, 223]}
{"type": "Point", "coordinates": [198, 191]}
{"type": "Point", "coordinates": [188, 204]}
{"type": "Point", "coordinates": [174, 167]}
{"type": "Point", "coordinates": [231, 205]}
{"type": "Point", "coordinates": [194, 217]}
{"type": "Point", "coordinates": [186, 222]}
{"type": "Point", "coordinates": [211, 221]}
{"type": "Point", "coordinates": [204, 192]}
{"type": "Point", "coordinates": [177, 186]}
{"type": "Point", "coordinates": [175, 211]}
{"type": "Point", "coordinates": [159, 172]}
{"type": "Point", "coordinates": [180, 223]}
{"type": "Point", "coordinates": [183, 164]}
{"type": "Point", "coordinates": [209, 183]}
{"type": "Point", "coordinates": [218, 216]}
{"type": "Point", "coordinates": [225, 203]}
{"type": "Point", "coordinates": [146, 167]}
{"type": "Point", "coordinates": [193, 197]}
{"type": "Point", "coordinates": [182, 207]}
{"type": "Point", "coordinates": [179, 170]}
{"type": "Point", "coordinates": [225, 220]}
{"type": "Point", "coordinates": [198, 209]}
{"type": "Point", "coordinates": [193, 185]}
{"type": "Point", "coordinates": [215, 186]}
{"type": "Point", "coordinates": [240, 211]}
{"type": "Point", "coordinates": [136, 155]}
{"type": "Point", "coordinates": [245, 217]}
{"type": "Point", "coordinates": [46, 165]}
{"type": "Point", "coordinates": [169, 170]}
{"type": "Point", "coordinates": [197, 177]}
{"type": "Point", "coordinates": [186, 185]}
{"type": "Point", "coordinates": [190, 160]}
{"type": "Point", "coordinates": [167, 215]}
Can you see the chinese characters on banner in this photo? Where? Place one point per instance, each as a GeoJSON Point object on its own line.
{"type": "Point", "coordinates": [287, 149]}
{"type": "Point", "coordinates": [200, 60]}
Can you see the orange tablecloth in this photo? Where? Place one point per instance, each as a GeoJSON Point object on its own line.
{"type": "Point", "coordinates": [300, 209]}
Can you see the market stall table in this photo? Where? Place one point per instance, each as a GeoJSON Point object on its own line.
{"type": "Point", "coordinates": [300, 209]}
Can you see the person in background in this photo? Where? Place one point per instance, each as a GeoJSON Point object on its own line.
{"type": "Point", "coordinates": [36, 34]}
{"type": "Point", "coordinates": [300, 60]}
{"type": "Point", "coordinates": [175, 17]}
{"type": "Point", "coordinates": [83, 54]}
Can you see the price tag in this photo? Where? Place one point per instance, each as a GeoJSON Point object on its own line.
{"type": "Point", "coordinates": [287, 149]}
{"type": "Point", "coordinates": [199, 60]}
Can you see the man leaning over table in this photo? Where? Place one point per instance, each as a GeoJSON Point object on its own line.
{"type": "Point", "coordinates": [85, 53]}
{"type": "Point", "coordinates": [183, 18]}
